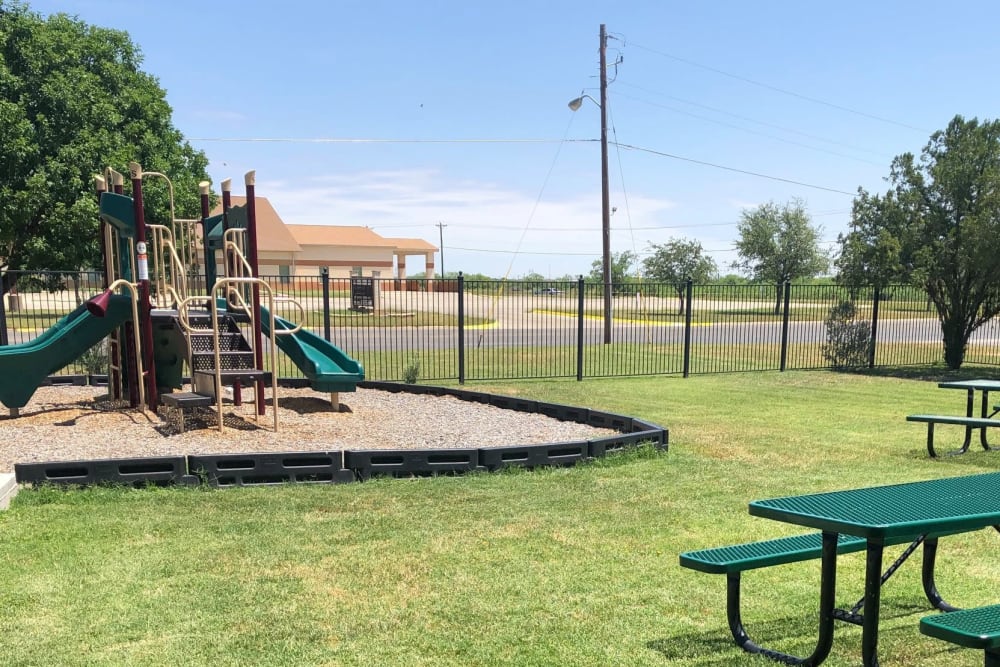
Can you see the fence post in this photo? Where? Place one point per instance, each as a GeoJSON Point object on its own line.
{"type": "Point", "coordinates": [784, 325]}
{"type": "Point", "coordinates": [3, 315]}
{"type": "Point", "coordinates": [688, 293]}
{"type": "Point", "coordinates": [461, 328]}
{"type": "Point", "coordinates": [871, 346]}
{"type": "Point", "coordinates": [579, 329]}
{"type": "Point", "coordinates": [324, 276]}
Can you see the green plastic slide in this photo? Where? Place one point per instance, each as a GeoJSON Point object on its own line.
{"type": "Point", "coordinates": [326, 366]}
{"type": "Point", "coordinates": [25, 366]}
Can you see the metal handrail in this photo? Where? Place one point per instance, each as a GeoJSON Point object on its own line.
{"type": "Point", "coordinates": [139, 371]}
{"type": "Point", "coordinates": [228, 283]}
{"type": "Point", "coordinates": [163, 240]}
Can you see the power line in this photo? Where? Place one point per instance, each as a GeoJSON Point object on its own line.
{"type": "Point", "coordinates": [524, 252]}
{"type": "Point", "coordinates": [744, 129]}
{"type": "Point", "coordinates": [790, 93]}
{"type": "Point", "coordinates": [739, 171]}
{"type": "Point", "coordinates": [348, 140]}
{"type": "Point", "coordinates": [725, 112]}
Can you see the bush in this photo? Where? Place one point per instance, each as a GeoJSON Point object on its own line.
{"type": "Point", "coordinates": [411, 373]}
{"type": "Point", "coordinates": [848, 341]}
{"type": "Point", "coordinates": [95, 360]}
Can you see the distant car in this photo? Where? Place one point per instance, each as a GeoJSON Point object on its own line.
{"type": "Point", "coordinates": [548, 290]}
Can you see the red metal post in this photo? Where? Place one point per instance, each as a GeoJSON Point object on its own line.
{"type": "Point", "coordinates": [255, 267]}
{"type": "Point", "coordinates": [229, 268]}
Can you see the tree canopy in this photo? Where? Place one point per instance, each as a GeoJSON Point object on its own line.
{"type": "Point", "coordinates": [778, 244]}
{"type": "Point", "coordinates": [72, 102]}
{"type": "Point", "coordinates": [677, 261]}
{"type": "Point", "coordinates": [937, 227]}
{"type": "Point", "coordinates": [621, 264]}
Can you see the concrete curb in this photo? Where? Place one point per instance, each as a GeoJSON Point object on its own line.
{"type": "Point", "coordinates": [8, 489]}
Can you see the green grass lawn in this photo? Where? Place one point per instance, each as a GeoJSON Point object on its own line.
{"type": "Point", "coordinates": [572, 566]}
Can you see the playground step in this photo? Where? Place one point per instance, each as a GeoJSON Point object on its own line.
{"type": "Point", "coordinates": [203, 341]}
{"type": "Point", "coordinates": [186, 399]}
{"type": "Point", "coordinates": [230, 360]}
{"type": "Point", "coordinates": [244, 376]}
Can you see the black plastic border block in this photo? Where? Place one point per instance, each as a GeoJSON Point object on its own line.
{"type": "Point", "coordinates": [408, 462]}
{"type": "Point", "coordinates": [380, 385]}
{"type": "Point", "coordinates": [293, 383]}
{"type": "Point", "coordinates": [513, 403]}
{"type": "Point", "coordinates": [74, 380]}
{"type": "Point", "coordinates": [471, 396]}
{"type": "Point", "coordinates": [265, 468]}
{"type": "Point", "coordinates": [566, 413]}
{"type": "Point", "coordinates": [617, 443]}
{"type": "Point", "coordinates": [532, 456]}
{"type": "Point", "coordinates": [160, 470]}
{"type": "Point", "coordinates": [655, 432]}
{"type": "Point", "coordinates": [619, 423]}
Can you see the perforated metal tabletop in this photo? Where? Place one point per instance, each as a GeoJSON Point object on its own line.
{"type": "Point", "coordinates": [916, 508]}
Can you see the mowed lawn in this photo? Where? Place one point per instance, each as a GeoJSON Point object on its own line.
{"type": "Point", "coordinates": [574, 566]}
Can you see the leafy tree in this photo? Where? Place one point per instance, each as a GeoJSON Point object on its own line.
{"type": "Point", "coordinates": [870, 253]}
{"type": "Point", "coordinates": [73, 101]}
{"type": "Point", "coordinates": [621, 264]}
{"type": "Point", "coordinates": [779, 244]}
{"type": "Point", "coordinates": [938, 227]}
{"type": "Point", "coordinates": [677, 261]}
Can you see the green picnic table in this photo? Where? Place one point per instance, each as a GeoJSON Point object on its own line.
{"type": "Point", "coordinates": [881, 515]}
{"type": "Point", "coordinates": [971, 387]}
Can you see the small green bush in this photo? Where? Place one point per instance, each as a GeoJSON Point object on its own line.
{"type": "Point", "coordinates": [411, 373]}
{"type": "Point", "coordinates": [95, 360]}
{"type": "Point", "coordinates": [848, 340]}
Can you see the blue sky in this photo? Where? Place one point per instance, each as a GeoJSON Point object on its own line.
{"type": "Point", "coordinates": [823, 94]}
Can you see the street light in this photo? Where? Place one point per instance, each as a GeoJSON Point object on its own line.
{"type": "Point", "coordinates": [441, 226]}
{"type": "Point", "coordinates": [575, 104]}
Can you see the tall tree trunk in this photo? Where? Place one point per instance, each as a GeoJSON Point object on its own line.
{"type": "Point", "coordinates": [777, 299]}
{"type": "Point", "coordinates": [955, 342]}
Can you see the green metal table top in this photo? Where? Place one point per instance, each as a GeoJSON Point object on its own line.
{"type": "Point", "coordinates": [981, 385]}
{"type": "Point", "coordinates": [900, 510]}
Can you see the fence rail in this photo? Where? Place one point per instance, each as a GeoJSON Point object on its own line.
{"type": "Point", "coordinates": [469, 330]}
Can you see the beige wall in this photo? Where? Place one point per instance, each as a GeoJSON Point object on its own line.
{"type": "Point", "coordinates": [341, 259]}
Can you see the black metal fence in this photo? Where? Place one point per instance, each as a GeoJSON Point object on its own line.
{"type": "Point", "coordinates": [498, 330]}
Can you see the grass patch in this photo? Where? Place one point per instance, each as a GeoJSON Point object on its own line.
{"type": "Point", "coordinates": [574, 566]}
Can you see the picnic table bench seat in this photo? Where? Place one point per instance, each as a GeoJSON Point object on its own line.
{"type": "Point", "coordinates": [972, 628]}
{"type": "Point", "coordinates": [734, 559]}
{"type": "Point", "coordinates": [955, 420]}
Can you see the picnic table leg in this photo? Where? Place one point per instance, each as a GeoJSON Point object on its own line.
{"type": "Point", "coordinates": [927, 576]}
{"type": "Point", "coordinates": [828, 589]}
{"type": "Point", "coordinates": [873, 600]}
{"type": "Point", "coordinates": [970, 404]}
{"type": "Point", "coordinates": [984, 413]}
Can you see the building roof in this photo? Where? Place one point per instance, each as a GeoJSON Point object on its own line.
{"type": "Point", "coordinates": [414, 245]}
{"type": "Point", "coordinates": [356, 236]}
{"type": "Point", "coordinates": [272, 233]}
{"type": "Point", "coordinates": [341, 235]}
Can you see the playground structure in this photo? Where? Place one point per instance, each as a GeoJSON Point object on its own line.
{"type": "Point", "coordinates": [153, 275]}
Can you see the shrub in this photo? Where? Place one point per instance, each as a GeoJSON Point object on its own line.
{"type": "Point", "coordinates": [95, 360]}
{"type": "Point", "coordinates": [411, 373]}
{"type": "Point", "coordinates": [848, 340]}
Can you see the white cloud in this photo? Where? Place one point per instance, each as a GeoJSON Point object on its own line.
{"type": "Point", "coordinates": [489, 228]}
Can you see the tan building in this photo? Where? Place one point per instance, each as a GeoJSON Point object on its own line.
{"type": "Point", "coordinates": [303, 250]}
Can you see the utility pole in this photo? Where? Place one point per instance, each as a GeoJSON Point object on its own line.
{"type": "Point", "coordinates": [605, 192]}
{"type": "Point", "coordinates": [441, 226]}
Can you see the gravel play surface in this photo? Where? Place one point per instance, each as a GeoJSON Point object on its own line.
{"type": "Point", "coordinates": [79, 423]}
